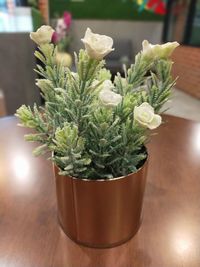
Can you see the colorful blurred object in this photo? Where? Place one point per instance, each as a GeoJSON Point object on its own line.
{"type": "Point", "coordinates": [157, 6]}
{"type": "Point", "coordinates": [105, 9]}
{"type": "Point", "coordinates": [67, 17]}
{"type": "Point", "coordinates": [61, 36]}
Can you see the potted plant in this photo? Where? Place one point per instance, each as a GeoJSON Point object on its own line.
{"type": "Point", "coordinates": [96, 130]}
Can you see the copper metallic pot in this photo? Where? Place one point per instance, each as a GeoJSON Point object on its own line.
{"type": "Point", "coordinates": [100, 213]}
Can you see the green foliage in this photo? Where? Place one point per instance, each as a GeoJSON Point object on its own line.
{"type": "Point", "coordinates": [87, 139]}
{"type": "Point", "coordinates": [69, 151]}
{"type": "Point", "coordinates": [159, 90]}
{"type": "Point", "coordinates": [33, 3]}
{"type": "Point", "coordinates": [64, 44]}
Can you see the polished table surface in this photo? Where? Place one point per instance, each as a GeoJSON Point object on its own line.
{"type": "Point", "coordinates": [170, 232]}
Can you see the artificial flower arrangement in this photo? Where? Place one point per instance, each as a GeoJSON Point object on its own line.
{"type": "Point", "coordinates": [96, 128]}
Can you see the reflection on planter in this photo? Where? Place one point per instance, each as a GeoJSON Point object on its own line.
{"type": "Point", "coordinates": [196, 138]}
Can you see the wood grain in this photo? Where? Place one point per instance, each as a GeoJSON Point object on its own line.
{"type": "Point", "coordinates": [169, 235]}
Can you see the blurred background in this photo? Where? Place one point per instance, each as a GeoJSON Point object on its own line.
{"type": "Point", "coordinates": [128, 22]}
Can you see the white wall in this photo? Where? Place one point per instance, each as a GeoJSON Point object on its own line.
{"type": "Point", "coordinates": [137, 31]}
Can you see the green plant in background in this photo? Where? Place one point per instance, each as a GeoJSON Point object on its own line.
{"type": "Point", "coordinates": [115, 9]}
{"type": "Point", "coordinates": [97, 128]}
{"type": "Point", "coordinates": [33, 3]}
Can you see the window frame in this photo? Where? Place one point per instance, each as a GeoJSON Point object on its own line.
{"type": "Point", "coordinates": [189, 23]}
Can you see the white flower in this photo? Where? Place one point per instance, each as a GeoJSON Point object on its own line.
{"type": "Point", "coordinates": [158, 51]}
{"type": "Point", "coordinates": [107, 97]}
{"type": "Point", "coordinates": [144, 115]}
{"type": "Point", "coordinates": [43, 35]}
{"type": "Point", "coordinates": [107, 85]}
{"type": "Point", "coordinates": [96, 45]}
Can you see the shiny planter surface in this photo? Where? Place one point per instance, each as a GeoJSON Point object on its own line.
{"type": "Point", "coordinates": [100, 213]}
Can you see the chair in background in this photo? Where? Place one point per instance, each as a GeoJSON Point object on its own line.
{"type": "Point", "coordinates": [2, 104]}
{"type": "Point", "coordinates": [121, 55]}
{"type": "Point", "coordinates": [17, 79]}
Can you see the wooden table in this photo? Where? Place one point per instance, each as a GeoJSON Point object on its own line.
{"type": "Point", "coordinates": [170, 232]}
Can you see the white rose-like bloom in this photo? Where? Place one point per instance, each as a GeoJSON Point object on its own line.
{"type": "Point", "coordinates": [107, 97]}
{"type": "Point", "coordinates": [158, 51]}
{"type": "Point", "coordinates": [145, 116]}
{"type": "Point", "coordinates": [107, 85]}
{"type": "Point", "coordinates": [96, 45]}
{"type": "Point", "coordinates": [43, 35]}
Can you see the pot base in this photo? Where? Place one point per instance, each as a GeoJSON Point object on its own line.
{"type": "Point", "coordinates": [100, 213]}
{"type": "Point", "coordinates": [100, 246]}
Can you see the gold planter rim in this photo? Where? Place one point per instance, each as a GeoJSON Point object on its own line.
{"type": "Point", "coordinates": [110, 179]}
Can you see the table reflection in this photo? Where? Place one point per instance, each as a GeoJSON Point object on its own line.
{"type": "Point", "coordinates": [196, 138]}
{"type": "Point", "coordinates": [182, 244]}
{"type": "Point", "coordinates": [68, 253]}
{"type": "Point", "coordinates": [21, 170]}
{"type": "Point", "coordinates": [21, 167]}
